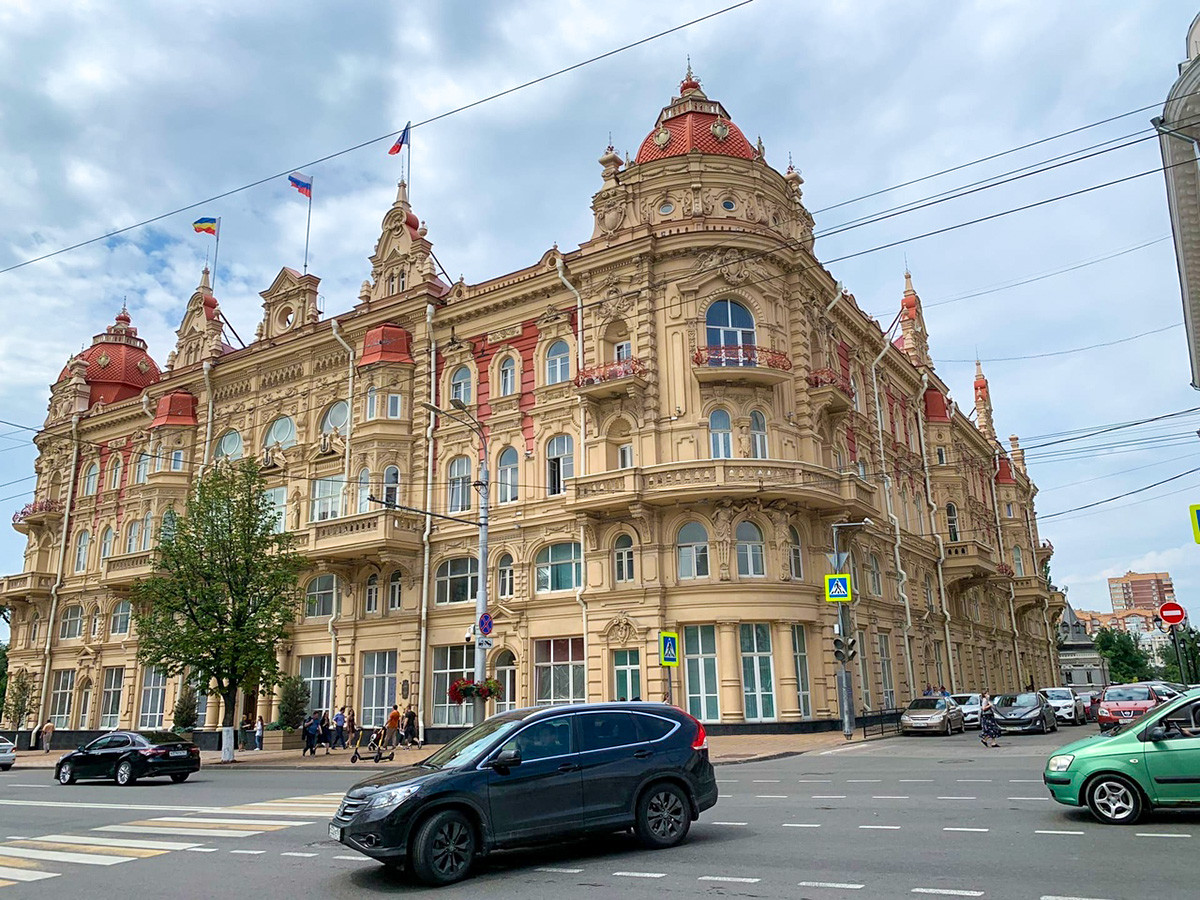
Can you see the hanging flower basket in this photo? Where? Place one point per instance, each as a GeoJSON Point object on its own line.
{"type": "Point", "coordinates": [467, 689]}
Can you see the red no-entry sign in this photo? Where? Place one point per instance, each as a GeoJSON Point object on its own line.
{"type": "Point", "coordinates": [1172, 614]}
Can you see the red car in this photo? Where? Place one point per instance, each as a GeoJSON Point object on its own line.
{"type": "Point", "coordinates": [1125, 702]}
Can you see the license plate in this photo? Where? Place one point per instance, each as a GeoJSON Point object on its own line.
{"type": "Point", "coordinates": [178, 753]}
{"type": "Point", "coordinates": [335, 833]}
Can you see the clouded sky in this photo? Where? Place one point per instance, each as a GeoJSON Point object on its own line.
{"type": "Point", "coordinates": [115, 113]}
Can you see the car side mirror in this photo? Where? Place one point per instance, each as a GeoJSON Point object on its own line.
{"type": "Point", "coordinates": [506, 759]}
{"type": "Point", "coordinates": [1156, 734]}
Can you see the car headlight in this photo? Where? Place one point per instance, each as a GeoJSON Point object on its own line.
{"type": "Point", "coordinates": [1060, 763]}
{"type": "Point", "coordinates": [394, 797]}
{"type": "Point", "coordinates": [1031, 714]}
{"type": "Point", "coordinates": [937, 717]}
{"type": "Point", "coordinates": [1104, 711]}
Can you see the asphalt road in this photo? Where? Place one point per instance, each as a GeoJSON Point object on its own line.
{"type": "Point", "coordinates": [902, 817]}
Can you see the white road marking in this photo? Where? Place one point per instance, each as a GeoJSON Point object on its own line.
{"type": "Point", "coordinates": [972, 830]}
{"type": "Point", "coordinates": [958, 798]}
{"type": "Point", "coordinates": [728, 823]}
{"type": "Point", "coordinates": [25, 874]}
{"type": "Point", "coordinates": [641, 874]}
{"type": "Point", "coordinates": [863, 780]}
{"type": "Point", "coordinates": [1158, 835]}
{"type": "Point", "coordinates": [551, 869]}
{"type": "Point", "coordinates": [835, 885]}
{"type": "Point", "coordinates": [844, 749]}
{"type": "Point", "coordinates": [1058, 832]}
{"type": "Point", "coordinates": [916, 781]}
{"type": "Point", "coordinates": [880, 827]}
{"type": "Point", "coordinates": [206, 821]}
{"type": "Point", "coordinates": [1056, 897]}
{"type": "Point", "coordinates": [304, 855]}
{"type": "Point", "coordinates": [16, 837]}
{"type": "Point", "coordinates": [729, 878]}
{"type": "Point", "coordinates": [771, 796]}
{"type": "Point", "coordinates": [369, 860]}
{"type": "Point", "coordinates": [84, 859]}
{"type": "Point", "coordinates": [114, 842]}
{"type": "Point", "coordinates": [886, 797]}
{"type": "Point", "coordinates": [184, 832]}
{"type": "Point", "coordinates": [947, 892]}
{"type": "Point", "coordinates": [766, 781]}
{"type": "Point", "coordinates": [249, 852]}
{"type": "Point", "coordinates": [829, 796]}
{"type": "Point", "coordinates": [30, 785]}
{"type": "Point", "coordinates": [1028, 798]}
{"type": "Point", "coordinates": [974, 780]}
{"type": "Point", "coordinates": [815, 781]}
{"type": "Point", "coordinates": [203, 849]}
{"type": "Point", "coordinates": [725, 795]}
{"type": "Point", "coordinates": [62, 804]}
{"type": "Point", "coordinates": [799, 825]}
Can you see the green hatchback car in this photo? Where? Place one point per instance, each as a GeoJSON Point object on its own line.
{"type": "Point", "coordinates": [1153, 761]}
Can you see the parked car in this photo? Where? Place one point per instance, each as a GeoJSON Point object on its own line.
{"type": "Point", "coordinates": [8, 754]}
{"type": "Point", "coordinates": [126, 756]}
{"type": "Point", "coordinates": [1144, 763]}
{"type": "Point", "coordinates": [970, 705]}
{"type": "Point", "coordinates": [1026, 711]}
{"type": "Point", "coordinates": [1068, 707]}
{"type": "Point", "coordinates": [1122, 702]}
{"type": "Point", "coordinates": [938, 715]}
{"type": "Point", "coordinates": [534, 776]}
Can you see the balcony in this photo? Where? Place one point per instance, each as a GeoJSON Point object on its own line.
{"type": "Point", "coordinates": [858, 495]}
{"type": "Point", "coordinates": [29, 586]}
{"type": "Point", "coordinates": [741, 364]}
{"type": "Point", "coordinates": [126, 569]}
{"type": "Point", "coordinates": [1043, 552]}
{"type": "Point", "coordinates": [969, 561]}
{"type": "Point", "coordinates": [830, 390]}
{"type": "Point", "coordinates": [356, 536]}
{"type": "Point", "coordinates": [40, 512]}
{"type": "Point", "coordinates": [615, 379]}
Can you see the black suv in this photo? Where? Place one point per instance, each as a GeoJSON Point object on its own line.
{"type": "Point", "coordinates": [535, 776]}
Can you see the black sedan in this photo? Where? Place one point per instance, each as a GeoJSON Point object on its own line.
{"type": "Point", "coordinates": [126, 756]}
{"type": "Point", "coordinates": [1027, 711]}
{"type": "Point", "coordinates": [535, 776]}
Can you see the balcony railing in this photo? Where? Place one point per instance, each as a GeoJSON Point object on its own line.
{"type": "Point", "coordinates": [35, 509]}
{"type": "Point", "coordinates": [822, 377]}
{"type": "Point", "coordinates": [741, 355]}
{"type": "Point", "coordinates": [622, 368]}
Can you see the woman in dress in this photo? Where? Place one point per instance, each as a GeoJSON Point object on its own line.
{"type": "Point", "coordinates": [351, 726]}
{"type": "Point", "coordinates": [988, 729]}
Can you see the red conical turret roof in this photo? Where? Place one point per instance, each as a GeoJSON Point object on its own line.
{"type": "Point", "coordinates": [119, 367]}
{"type": "Point", "coordinates": [694, 124]}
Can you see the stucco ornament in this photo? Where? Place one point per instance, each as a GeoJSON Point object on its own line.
{"type": "Point", "coordinates": [610, 210]}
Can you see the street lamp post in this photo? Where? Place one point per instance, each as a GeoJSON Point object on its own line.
{"type": "Point", "coordinates": [845, 682]}
{"type": "Point", "coordinates": [462, 415]}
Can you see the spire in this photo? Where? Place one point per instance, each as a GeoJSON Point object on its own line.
{"type": "Point", "coordinates": [983, 404]}
{"type": "Point", "coordinates": [402, 194]}
{"type": "Point", "coordinates": [690, 83]}
{"type": "Point", "coordinates": [912, 325]}
{"type": "Point", "coordinates": [204, 287]}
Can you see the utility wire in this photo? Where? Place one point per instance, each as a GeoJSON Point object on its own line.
{"type": "Point", "coordinates": [1042, 518]}
{"type": "Point", "coordinates": [1049, 354]}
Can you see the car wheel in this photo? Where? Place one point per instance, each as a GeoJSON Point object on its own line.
{"type": "Point", "coordinates": [66, 773]}
{"type": "Point", "coordinates": [5, 767]}
{"type": "Point", "coordinates": [1114, 800]}
{"type": "Point", "coordinates": [1042, 729]}
{"type": "Point", "coordinates": [444, 848]}
{"type": "Point", "coordinates": [1054, 724]}
{"type": "Point", "coordinates": [180, 777]}
{"type": "Point", "coordinates": [949, 728]}
{"type": "Point", "coordinates": [663, 816]}
{"type": "Point", "coordinates": [125, 776]}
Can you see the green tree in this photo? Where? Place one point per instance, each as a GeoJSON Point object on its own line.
{"type": "Point", "coordinates": [18, 698]}
{"type": "Point", "coordinates": [225, 592]}
{"type": "Point", "coordinates": [1126, 660]}
{"type": "Point", "coordinates": [1189, 645]}
{"type": "Point", "coordinates": [3, 672]}
{"type": "Point", "coordinates": [183, 716]}
{"type": "Point", "coordinates": [293, 701]}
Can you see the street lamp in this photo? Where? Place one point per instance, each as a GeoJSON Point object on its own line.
{"type": "Point", "coordinates": [464, 416]}
{"type": "Point", "coordinates": [844, 681]}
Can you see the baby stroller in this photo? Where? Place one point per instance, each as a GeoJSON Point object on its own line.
{"type": "Point", "coordinates": [374, 746]}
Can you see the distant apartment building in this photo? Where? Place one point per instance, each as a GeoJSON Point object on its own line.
{"type": "Point", "coordinates": [1140, 590]}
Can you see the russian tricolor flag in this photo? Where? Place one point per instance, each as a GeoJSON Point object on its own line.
{"type": "Point", "coordinates": [302, 183]}
{"type": "Point", "coordinates": [400, 141]}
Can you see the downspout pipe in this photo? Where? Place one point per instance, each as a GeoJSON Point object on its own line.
{"type": "Point", "coordinates": [1012, 597]}
{"type": "Point", "coordinates": [931, 509]}
{"type": "Point", "coordinates": [333, 634]}
{"type": "Point", "coordinates": [58, 580]}
{"type": "Point", "coordinates": [582, 468]}
{"type": "Point", "coordinates": [428, 530]}
{"type": "Point", "coordinates": [1051, 643]}
{"type": "Point", "coordinates": [901, 575]}
{"type": "Point", "coordinates": [208, 425]}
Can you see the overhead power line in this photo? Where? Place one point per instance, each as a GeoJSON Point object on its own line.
{"type": "Point", "coordinates": [1051, 353]}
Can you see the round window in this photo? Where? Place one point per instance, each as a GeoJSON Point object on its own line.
{"type": "Point", "coordinates": [336, 418]}
{"type": "Point", "coordinates": [281, 432]}
{"type": "Point", "coordinates": [666, 209]}
{"type": "Point", "coordinates": [229, 446]}
{"type": "Point", "coordinates": [729, 204]}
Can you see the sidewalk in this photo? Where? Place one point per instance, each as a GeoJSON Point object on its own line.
{"type": "Point", "coordinates": [723, 749]}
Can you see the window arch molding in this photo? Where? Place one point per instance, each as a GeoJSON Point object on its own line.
{"type": "Point", "coordinates": [624, 551]}
{"type": "Point", "coordinates": [336, 418]}
{"type": "Point", "coordinates": [557, 362]}
{"type": "Point", "coordinates": [751, 549]}
{"type": "Point", "coordinates": [461, 384]}
{"type": "Point", "coordinates": [507, 376]}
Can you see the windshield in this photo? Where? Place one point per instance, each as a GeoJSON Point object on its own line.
{"type": "Point", "coordinates": [466, 746]}
{"type": "Point", "coordinates": [1057, 694]}
{"type": "Point", "coordinates": [1129, 694]}
{"type": "Point", "coordinates": [1168, 690]}
{"type": "Point", "coordinates": [1017, 700]}
{"type": "Point", "coordinates": [966, 699]}
{"type": "Point", "coordinates": [928, 703]}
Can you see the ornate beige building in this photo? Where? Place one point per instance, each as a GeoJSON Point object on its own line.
{"type": "Point", "coordinates": [676, 413]}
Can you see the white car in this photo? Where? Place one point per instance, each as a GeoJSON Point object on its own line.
{"type": "Point", "coordinates": [1068, 707]}
{"type": "Point", "coordinates": [970, 704]}
{"type": "Point", "coordinates": [8, 754]}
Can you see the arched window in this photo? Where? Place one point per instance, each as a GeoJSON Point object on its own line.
{"type": "Point", "coordinates": [394, 590]}
{"type": "Point", "coordinates": [758, 435]}
{"type": "Point", "coordinates": [457, 580]}
{"type": "Point", "coordinates": [94, 626]}
{"type": "Point", "coordinates": [81, 551]}
{"type": "Point", "coordinates": [106, 543]}
{"type": "Point", "coordinates": [854, 396]}
{"type": "Point", "coordinates": [929, 602]}
{"type": "Point", "coordinates": [364, 490]}
{"type": "Point", "coordinates": [560, 463]}
{"type": "Point", "coordinates": [720, 433]}
{"type": "Point", "coordinates": [114, 474]}
{"type": "Point", "coordinates": [372, 402]}
{"type": "Point", "coordinates": [336, 419]}
{"type": "Point", "coordinates": [952, 521]}
{"type": "Point", "coordinates": [318, 597]}
{"type": "Point", "coordinates": [795, 553]}
{"type": "Point", "coordinates": [750, 550]}
{"type": "Point", "coordinates": [504, 576]}
{"type": "Point", "coordinates": [148, 531]}
{"type": "Point", "coordinates": [876, 575]}
{"type": "Point", "coordinates": [91, 479]}
{"type": "Point", "coordinates": [920, 513]}
{"type": "Point", "coordinates": [730, 334]}
{"type": "Point", "coordinates": [229, 446]}
{"type": "Point", "coordinates": [558, 363]}
{"type": "Point", "coordinates": [508, 377]}
{"type": "Point", "coordinates": [71, 624]}
{"type": "Point", "coordinates": [623, 559]}
{"type": "Point", "coordinates": [559, 568]}
{"type": "Point", "coordinates": [167, 532]}
{"type": "Point", "coordinates": [460, 384]}
{"type": "Point", "coordinates": [853, 566]}
{"type": "Point", "coordinates": [33, 628]}
{"type": "Point", "coordinates": [133, 538]}
{"type": "Point", "coordinates": [371, 598]}
{"type": "Point", "coordinates": [691, 548]}
{"type": "Point", "coordinates": [509, 475]}
{"type": "Point", "coordinates": [391, 485]}
{"type": "Point", "coordinates": [141, 468]}
{"type": "Point", "coordinates": [282, 432]}
{"type": "Point", "coordinates": [1018, 562]}
{"type": "Point", "coordinates": [506, 674]}
{"type": "Point", "coordinates": [459, 488]}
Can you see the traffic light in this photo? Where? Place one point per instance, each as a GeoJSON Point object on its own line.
{"type": "Point", "coordinates": [845, 651]}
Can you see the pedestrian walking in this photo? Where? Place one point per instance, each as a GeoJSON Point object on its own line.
{"type": "Point", "coordinates": [988, 729]}
{"type": "Point", "coordinates": [312, 730]}
{"type": "Point", "coordinates": [409, 727]}
{"type": "Point", "coordinates": [351, 727]}
{"type": "Point", "coordinates": [326, 732]}
{"type": "Point", "coordinates": [258, 733]}
{"type": "Point", "coordinates": [339, 728]}
{"type": "Point", "coordinates": [391, 734]}
{"type": "Point", "coordinates": [47, 735]}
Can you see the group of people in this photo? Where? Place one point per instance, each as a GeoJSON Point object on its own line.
{"type": "Point", "coordinates": [342, 730]}
{"type": "Point", "coordinates": [939, 691]}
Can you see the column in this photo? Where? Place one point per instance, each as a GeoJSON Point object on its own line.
{"type": "Point", "coordinates": [729, 666]}
{"type": "Point", "coordinates": [787, 681]}
{"type": "Point", "coordinates": [212, 713]}
{"type": "Point", "coordinates": [823, 669]}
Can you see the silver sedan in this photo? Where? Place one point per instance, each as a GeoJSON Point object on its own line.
{"type": "Point", "coordinates": [934, 715]}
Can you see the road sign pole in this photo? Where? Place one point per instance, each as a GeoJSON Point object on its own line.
{"type": "Point", "coordinates": [846, 685]}
{"type": "Point", "coordinates": [1183, 673]}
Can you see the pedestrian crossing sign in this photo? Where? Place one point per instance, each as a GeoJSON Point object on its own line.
{"type": "Point", "coordinates": [837, 588]}
{"type": "Point", "coordinates": [1195, 511]}
{"type": "Point", "coordinates": [668, 648]}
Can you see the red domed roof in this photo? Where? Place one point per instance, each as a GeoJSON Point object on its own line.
{"type": "Point", "coordinates": [118, 365]}
{"type": "Point", "coordinates": [694, 124]}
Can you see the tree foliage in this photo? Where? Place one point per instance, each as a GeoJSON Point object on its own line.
{"type": "Point", "coordinates": [225, 592]}
{"type": "Point", "coordinates": [293, 701]}
{"type": "Point", "coordinates": [1189, 646]}
{"type": "Point", "coordinates": [183, 716]}
{"type": "Point", "coordinates": [1126, 660]}
{"type": "Point", "coordinates": [3, 672]}
{"type": "Point", "coordinates": [18, 698]}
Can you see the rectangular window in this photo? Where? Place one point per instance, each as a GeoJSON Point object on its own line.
{"type": "Point", "coordinates": [457, 580]}
{"type": "Point", "coordinates": [558, 470]}
{"type": "Point", "coordinates": [201, 700]}
{"type": "Point", "coordinates": [559, 568]}
{"type": "Point", "coordinates": [758, 676]}
{"type": "Point", "coordinates": [508, 380]}
{"type": "Point", "coordinates": [378, 687]}
{"type": "Point", "coordinates": [141, 469]}
{"type": "Point", "coordinates": [176, 460]}
{"type": "Point", "coordinates": [326, 498]}
{"type": "Point", "coordinates": [693, 561]}
{"type": "Point", "coordinates": [393, 406]}
{"type": "Point", "coordinates": [937, 662]}
{"type": "Point", "coordinates": [700, 670]}
{"type": "Point", "coordinates": [623, 564]}
{"type": "Point", "coordinates": [110, 700]}
{"type": "Point", "coordinates": [154, 696]}
{"type": "Point", "coordinates": [625, 456]}
{"type": "Point", "coordinates": [627, 675]}
{"type": "Point", "coordinates": [72, 623]}
{"type": "Point", "coordinates": [450, 664]}
{"type": "Point", "coordinates": [623, 350]}
{"type": "Point", "coordinates": [371, 601]}
{"type": "Point", "coordinates": [864, 675]}
{"type": "Point", "coordinates": [885, 671]}
{"type": "Point", "coordinates": [62, 689]}
{"type": "Point", "coordinates": [559, 671]}
{"type": "Point", "coordinates": [1008, 510]}
{"type": "Point", "coordinates": [394, 592]}
{"type": "Point", "coordinates": [316, 673]}
{"type": "Point", "coordinates": [800, 651]}
{"type": "Point", "coordinates": [371, 403]}
{"type": "Point", "coordinates": [941, 456]}
{"type": "Point", "coordinates": [277, 497]}
{"type": "Point", "coordinates": [504, 580]}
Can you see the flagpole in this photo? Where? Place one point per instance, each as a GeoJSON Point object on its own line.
{"type": "Point", "coordinates": [408, 177]}
{"type": "Point", "coordinates": [308, 224]}
{"type": "Point", "coordinates": [216, 253]}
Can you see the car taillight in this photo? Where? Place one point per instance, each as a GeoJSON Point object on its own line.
{"type": "Point", "coordinates": [700, 742]}
{"type": "Point", "coordinates": [152, 751]}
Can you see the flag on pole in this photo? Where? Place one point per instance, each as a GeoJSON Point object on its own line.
{"type": "Point", "coordinates": [400, 141]}
{"type": "Point", "coordinates": [302, 183]}
{"type": "Point", "coordinates": [205, 226]}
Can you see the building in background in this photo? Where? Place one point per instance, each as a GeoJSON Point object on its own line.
{"type": "Point", "coordinates": [1079, 661]}
{"type": "Point", "coordinates": [677, 412]}
{"type": "Point", "coordinates": [1141, 590]}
